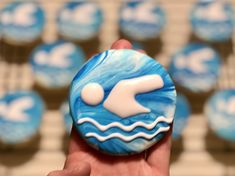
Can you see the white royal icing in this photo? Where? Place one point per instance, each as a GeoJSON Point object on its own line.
{"type": "Point", "coordinates": [124, 127]}
{"type": "Point", "coordinates": [15, 111]}
{"type": "Point", "coordinates": [121, 99]}
{"type": "Point", "coordinates": [228, 107]}
{"type": "Point", "coordinates": [92, 93]}
{"type": "Point", "coordinates": [195, 60]}
{"type": "Point", "coordinates": [58, 57]}
{"type": "Point", "coordinates": [128, 138]}
{"type": "Point", "coordinates": [214, 12]}
{"type": "Point", "coordinates": [142, 13]}
{"type": "Point", "coordinates": [21, 16]}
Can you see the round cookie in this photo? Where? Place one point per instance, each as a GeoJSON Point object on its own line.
{"type": "Point", "coordinates": [220, 112]}
{"type": "Point", "coordinates": [195, 67]}
{"type": "Point", "coordinates": [65, 111]}
{"type": "Point", "coordinates": [55, 64]}
{"type": "Point", "coordinates": [20, 116]}
{"type": "Point", "coordinates": [22, 22]}
{"type": "Point", "coordinates": [79, 20]}
{"type": "Point", "coordinates": [213, 20]}
{"type": "Point", "coordinates": [182, 113]}
{"type": "Point", "coordinates": [142, 20]}
{"type": "Point", "coordinates": [122, 102]}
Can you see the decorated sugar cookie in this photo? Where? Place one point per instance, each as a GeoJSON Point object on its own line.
{"type": "Point", "coordinates": [122, 102]}
{"type": "Point", "coordinates": [22, 22]}
{"type": "Point", "coordinates": [182, 114]}
{"type": "Point", "coordinates": [141, 20]}
{"type": "Point", "coordinates": [64, 109]}
{"type": "Point", "coordinates": [79, 20]}
{"type": "Point", "coordinates": [213, 20]}
{"type": "Point", "coordinates": [56, 63]}
{"type": "Point", "coordinates": [220, 112]}
{"type": "Point", "coordinates": [20, 116]}
{"type": "Point", "coordinates": [195, 67]}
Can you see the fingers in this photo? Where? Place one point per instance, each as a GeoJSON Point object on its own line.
{"type": "Point", "coordinates": [121, 44]}
{"type": "Point", "coordinates": [159, 154]}
{"type": "Point", "coordinates": [84, 169]}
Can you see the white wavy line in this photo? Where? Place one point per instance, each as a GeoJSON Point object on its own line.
{"type": "Point", "coordinates": [123, 127]}
{"type": "Point", "coordinates": [127, 138]}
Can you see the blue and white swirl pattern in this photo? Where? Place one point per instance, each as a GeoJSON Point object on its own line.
{"type": "Point", "coordinates": [56, 63]}
{"type": "Point", "coordinates": [196, 67]}
{"type": "Point", "coordinates": [20, 116]}
{"type": "Point", "coordinates": [65, 111]}
{"type": "Point", "coordinates": [220, 112]}
{"type": "Point", "coordinates": [79, 20]}
{"type": "Point", "coordinates": [213, 20]}
{"type": "Point", "coordinates": [22, 22]}
{"type": "Point", "coordinates": [182, 114]}
{"type": "Point", "coordinates": [103, 124]}
{"type": "Point", "coordinates": [142, 20]}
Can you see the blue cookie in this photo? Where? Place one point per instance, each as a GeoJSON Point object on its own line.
{"type": "Point", "coordinates": [64, 109]}
{"type": "Point", "coordinates": [122, 102]}
{"type": "Point", "coordinates": [195, 67]}
{"type": "Point", "coordinates": [22, 22]}
{"type": "Point", "coordinates": [79, 20]}
{"type": "Point", "coordinates": [55, 64]}
{"type": "Point", "coordinates": [142, 20]}
{"type": "Point", "coordinates": [182, 113]}
{"type": "Point", "coordinates": [213, 20]}
{"type": "Point", "coordinates": [20, 116]}
{"type": "Point", "coordinates": [220, 112]}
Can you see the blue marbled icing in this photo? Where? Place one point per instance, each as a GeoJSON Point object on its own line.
{"type": "Point", "coordinates": [220, 112]}
{"type": "Point", "coordinates": [53, 73]}
{"type": "Point", "coordinates": [213, 20]}
{"type": "Point", "coordinates": [182, 113]}
{"type": "Point", "coordinates": [107, 69]}
{"type": "Point", "coordinates": [65, 111]}
{"type": "Point", "coordinates": [195, 70]}
{"type": "Point", "coordinates": [79, 20]}
{"type": "Point", "coordinates": [17, 131]}
{"type": "Point", "coordinates": [141, 21]}
{"type": "Point", "coordinates": [22, 22]}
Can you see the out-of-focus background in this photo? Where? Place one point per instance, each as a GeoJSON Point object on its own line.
{"type": "Point", "coordinates": [197, 152]}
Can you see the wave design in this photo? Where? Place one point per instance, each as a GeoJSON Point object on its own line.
{"type": "Point", "coordinates": [127, 138]}
{"type": "Point", "coordinates": [124, 127]}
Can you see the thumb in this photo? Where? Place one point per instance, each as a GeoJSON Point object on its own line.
{"type": "Point", "coordinates": [84, 169]}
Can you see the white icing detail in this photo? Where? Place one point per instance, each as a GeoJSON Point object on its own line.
{"type": "Point", "coordinates": [228, 107]}
{"type": "Point", "coordinates": [124, 127]}
{"type": "Point", "coordinates": [127, 138]}
{"type": "Point", "coordinates": [92, 93]}
{"type": "Point", "coordinates": [82, 14]}
{"type": "Point", "coordinates": [214, 12]}
{"type": "Point", "coordinates": [15, 111]}
{"type": "Point", "coordinates": [121, 99]}
{"type": "Point", "coordinates": [195, 60]}
{"type": "Point", "coordinates": [23, 15]}
{"type": "Point", "coordinates": [142, 13]}
{"type": "Point", "coordinates": [58, 56]}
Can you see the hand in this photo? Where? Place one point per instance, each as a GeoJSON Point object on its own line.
{"type": "Point", "coordinates": [82, 160]}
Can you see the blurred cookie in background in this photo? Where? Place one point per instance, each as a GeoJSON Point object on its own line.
{"type": "Point", "coordinates": [220, 113]}
{"type": "Point", "coordinates": [195, 67]}
{"type": "Point", "coordinates": [213, 21]}
{"type": "Point", "coordinates": [22, 22]}
{"type": "Point", "coordinates": [54, 66]}
{"type": "Point", "coordinates": [182, 114]}
{"type": "Point", "coordinates": [20, 116]}
{"type": "Point", "coordinates": [79, 20]}
{"type": "Point", "coordinates": [141, 20]}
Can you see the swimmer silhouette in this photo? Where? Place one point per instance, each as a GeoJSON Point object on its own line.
{"type": "Point", "coordinates": [15, 111]}
{"type": "Point", "coordinates": [121, 100]}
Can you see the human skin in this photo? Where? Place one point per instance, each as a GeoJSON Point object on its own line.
{"type": "Point", "coordinates": [82, 160]}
